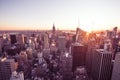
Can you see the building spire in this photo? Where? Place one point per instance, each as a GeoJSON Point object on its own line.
{"type": "Point", "coordinates": [54, 28]}
{"type": "Point", "coordinates": [78, 22]}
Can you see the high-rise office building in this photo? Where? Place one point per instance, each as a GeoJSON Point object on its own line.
{"type": "Point", "coordinates": [20, 39]}
{"type": "Point", "coordinates": [46, 41]}
{"type": "Point", "coordinates": [116, 68]}
{"type": "Point", "coordinates": [79, 54]}
{"type": "Point", "coordinates": [109, 34]}
{"type": "Point", "coordinates": [89, 57]}
{"type": "Point", "coordinates": [6, 68]}
{"type": "Point", "coordinates": [13, 38]}
{"type": "Point", "coordinates": [29, 53]}
{"type": "Point", "coordinates": [61, 42]}
{"type": "Point", "coordinates": [77, 34]}
{"type": "Point", "coordinates": [53, 29]}
{"type": "Point", "coordinates": [25, 39]}
{"type": "Point", "coordinates": [1, 45]}
{"type": "Point", "coordinates": [101, 65]}
{"type": "Point", "coordinates": [66, 65]}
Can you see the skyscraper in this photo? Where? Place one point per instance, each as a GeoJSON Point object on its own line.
{"type": "Point", "coordinates": [116, 68]}
{"type": "Point", "coordinates": [89, 57]}
{"type": "Point", "coordinates": [53, 29]}
{"type": "Point", "coordinates": [101, 65]}
{"type": "Point", "coordinates": [6, 68]}
{"type": "Point", "coordinates": [66, 65]}
{"type": "Point", "coordinates": [79, 54]}
{"type": "Point", "coordinates": [61, 42]}
{"type": "Point", "coordinates": [46, 41]}
{"type": "Point", "coordinates": [1, 44]}
{"type": "Point", "coordinates": [20, 39]}
{"type": "Point", "coordinates": [13, 38]}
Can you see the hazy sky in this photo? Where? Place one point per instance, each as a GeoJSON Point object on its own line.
{"type": "Point", "coordinates": [65, 14]}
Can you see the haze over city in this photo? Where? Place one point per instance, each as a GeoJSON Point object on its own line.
{"type": "Point", "coordinates": [59, 40]}
{"type": "Point", "coordinates": [65, 14]}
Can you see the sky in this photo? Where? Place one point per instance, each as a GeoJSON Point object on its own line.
{"type": "Point", "coordinates": [64, 14]}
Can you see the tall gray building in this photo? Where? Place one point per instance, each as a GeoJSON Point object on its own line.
{"type": "Point", "coordinates": [6, 68]}
{"type": "Point", "coordinates": [101, 65]}
{"type": "Point", "coordinates": [61, 42]}
{"type": "Point", "coordinates": [46, 41]}
{"type": "Point", "coordinates": [116, 68]}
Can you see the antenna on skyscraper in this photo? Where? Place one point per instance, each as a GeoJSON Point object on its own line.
{"type": "Point", "coordinates": [92, 27]}
{"type": "Point", "coordinates": [78, 22]}
{"type": "Point", "coordinates": [77, 31]}
{"type": "Point", "coordinates": [53, 23]}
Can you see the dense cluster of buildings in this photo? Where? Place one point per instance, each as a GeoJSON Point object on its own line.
{"type": "Point", "coordinates": [60, 55]}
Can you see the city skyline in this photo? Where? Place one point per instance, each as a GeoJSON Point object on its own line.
{"type": "Point", "coordinates": [65, 14]}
